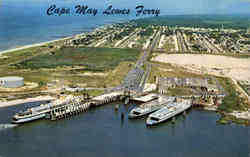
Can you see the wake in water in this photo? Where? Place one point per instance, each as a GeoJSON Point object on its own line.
{"type": "Point", "coordinates": [7, 126]}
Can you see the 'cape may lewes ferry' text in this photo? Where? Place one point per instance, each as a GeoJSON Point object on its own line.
{"type": "Point", "coordinates": [140, 10]}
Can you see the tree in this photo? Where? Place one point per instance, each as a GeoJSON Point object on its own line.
{"type": "Point", "coordinates": [41, 83]}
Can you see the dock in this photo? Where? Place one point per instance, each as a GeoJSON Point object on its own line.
{"type": "Point", "coordinates": [146, 98]}
{"type": "Point", "coordinates": [68, 109]}
{"type": "Point", "coordinates": [107, 98]}
{"type": "Point", "coordinates": [78, 104]}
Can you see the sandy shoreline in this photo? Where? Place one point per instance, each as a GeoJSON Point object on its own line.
{"type": "Point", "coordinates": [38, 44]}
{"type": "Point", "coordinates": [46, 42]}
{"type": "Point", "coordinates": [33, 45]}
{"type": "Point", "coordinates": [28, 100]}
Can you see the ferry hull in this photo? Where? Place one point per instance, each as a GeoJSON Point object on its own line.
{"type": "Point", "coordinates": [134, 116]}
{"type": "Point", "coordinates": [29, 119]}
{"type": "Point", "coordinates": [151, 122]}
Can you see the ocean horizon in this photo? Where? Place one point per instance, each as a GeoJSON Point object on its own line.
{"type": "Point", "coordinates": [25, 22]}
{"type": "Point", "coordinates": [35, 26]}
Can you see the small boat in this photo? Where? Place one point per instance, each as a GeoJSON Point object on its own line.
{"type": "Point", "coordinates": [150, 107]}
{"type": "Point", "coordinates": [167, 112]}
{"type": "Point", "coordinates": [31, 114]}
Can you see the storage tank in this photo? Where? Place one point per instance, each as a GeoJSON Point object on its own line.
{"type": "Point", "coordinates": [11, 82]}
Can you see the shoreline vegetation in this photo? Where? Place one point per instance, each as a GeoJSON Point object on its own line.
{"type": "Point", "coordinates": [50, 60]}
{"type": "Point", "coordinates": [232, 102]}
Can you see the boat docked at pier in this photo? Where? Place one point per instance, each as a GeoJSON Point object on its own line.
{"type": "Point", "coordinates": [40, 112]}
{"type": "Point", "coordinates": [31, 114]}
{"type": "Point", "coordinates": [150, 107]}
{"type": "Point", "coordinates": [167, 112]}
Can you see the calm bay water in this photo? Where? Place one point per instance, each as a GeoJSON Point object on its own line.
{"type": "Point", "coordinates": [101, 132]}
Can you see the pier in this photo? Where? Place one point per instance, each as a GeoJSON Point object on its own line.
{"type": "Point", "coordinates": [79, 104]}
{"type": "Point", "coordinates": [146, 98]}
{"type": "Point", "coordinates": [73, 107]}
{"type": "Point", "coordinates": [107, 98]}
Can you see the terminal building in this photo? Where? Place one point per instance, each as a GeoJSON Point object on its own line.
{"type": "Point", "coordinates": [164, 83]}
{"type": "Point", "coordinates": [11, 82]}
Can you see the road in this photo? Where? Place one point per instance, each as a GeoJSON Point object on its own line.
{"type": "Point", "coordinates": [181, 42]}
{"type": "Point", "coordinates": [241, 90]}
{"type": "Point", "coordinates": [137, 76]}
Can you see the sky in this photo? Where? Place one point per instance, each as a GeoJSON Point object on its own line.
{"type": "Point", "coordinates": [18, 16]}
{"type": "Point", "coordinates": [193, 6]}
{"type": "Point", "coordinates": [167, 7]}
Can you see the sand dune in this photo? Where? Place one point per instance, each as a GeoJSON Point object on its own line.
{"type": "Point", "coordinates": [236, 68]}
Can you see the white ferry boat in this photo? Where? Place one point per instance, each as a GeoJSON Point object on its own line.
{"type": "Point", "coordinates": [39, 112]}
{"type": "Point", "coordinates": [150, 107]}
{"type": "Point", "coordinates": [167, 112]}
{"type": "Point", "coordinates": [31, 114]}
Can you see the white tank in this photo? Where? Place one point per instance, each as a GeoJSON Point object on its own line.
{"type": "Point", "coordinates": [11, 82]}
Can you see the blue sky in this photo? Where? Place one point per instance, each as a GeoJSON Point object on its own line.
{"type": "Point", "coordinates": [192, 6]}
{"type": "Point", "coordinates": [166, 6]}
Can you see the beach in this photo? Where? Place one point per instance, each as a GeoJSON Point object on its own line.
{"type": "Point", "coordinates": [33, 45]}
{"type": "Point", "coordinates": [28, 100]}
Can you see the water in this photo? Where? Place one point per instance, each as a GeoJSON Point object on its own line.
{"type": "Point", "coordinates": [24, 22]}
{"type": "Point", "coordinates": [101, 132]}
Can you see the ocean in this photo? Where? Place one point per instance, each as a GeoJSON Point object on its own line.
{"type": "Point", "coordinates": [25, 22]}
{"type": "Point", "coordinates": [100, 131]}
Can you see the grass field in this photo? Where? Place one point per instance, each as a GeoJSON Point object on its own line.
{"type": "Point", "coordinates": [93, 59]}
{"type": "Point", "coordinates": [19, 55]}
{"type": "Point", "coordinates": [232, 100]}
{"type": "Point", "coordinates": [168, 70]}
{"type": "Point", "coordinates": [115, 76]}
{"type": "Point", "coordinates": [87, 67]}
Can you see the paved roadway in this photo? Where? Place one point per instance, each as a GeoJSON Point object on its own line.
{"type": "Point", "coordinates": [240, 89]}
{"type": "Point", "coordinates": [137, 76]}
